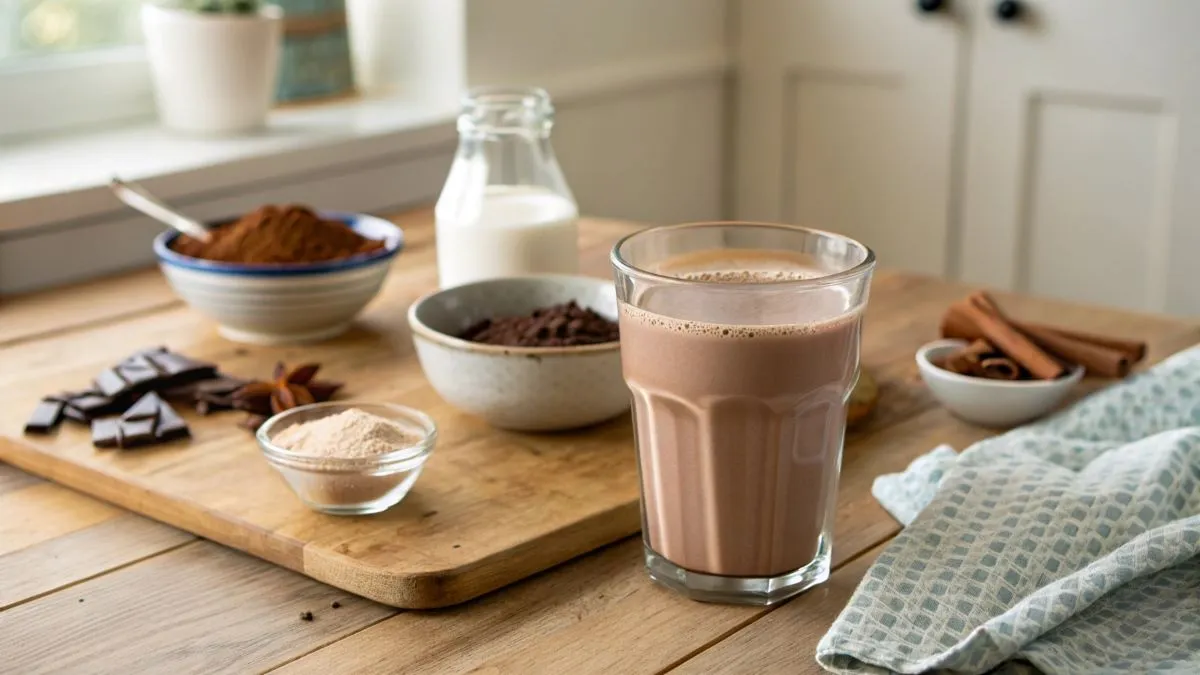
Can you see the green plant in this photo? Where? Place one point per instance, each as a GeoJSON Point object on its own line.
{"type": "Point", "coordinates": [216, 6]}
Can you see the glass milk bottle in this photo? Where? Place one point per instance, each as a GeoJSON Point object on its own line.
{"type": "Point", "coordinates": [506, 209]}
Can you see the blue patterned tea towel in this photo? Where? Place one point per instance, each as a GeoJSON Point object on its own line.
{"type": "Point", "coordinates": [1069, 545]}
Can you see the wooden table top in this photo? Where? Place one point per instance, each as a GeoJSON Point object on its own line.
{"type": "Point", "coordinates": [88, 587]}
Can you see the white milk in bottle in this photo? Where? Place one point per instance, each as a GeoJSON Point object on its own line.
{"type": "Point", "coordinates": [506, 209]}
{"type": "Point", "coordinates": [516, 230]}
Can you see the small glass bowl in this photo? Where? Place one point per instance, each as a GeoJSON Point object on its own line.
{"type": "Point", "coordinates": [350, 486]}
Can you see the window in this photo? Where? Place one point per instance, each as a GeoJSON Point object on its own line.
{"type": "Point", "coordinates": [34, 28]}
{"type": "Point", "coordinates": [67, 63]}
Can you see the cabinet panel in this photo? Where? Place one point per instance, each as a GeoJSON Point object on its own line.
{"type": "Point", "coordinates": [845, 118]}
{"type": "Point", "coordinates": [1083, 153]}
{"type": "Point", "coordinates": [1094, 234]}
{"type": "Point", "coordinates": [854, 169]}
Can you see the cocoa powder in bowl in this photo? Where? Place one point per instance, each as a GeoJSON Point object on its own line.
{"type": "Point", "coordinates": [278, 234]}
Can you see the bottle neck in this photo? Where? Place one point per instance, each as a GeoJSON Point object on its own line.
{"type": "Point", "coordinates": [500, 113]}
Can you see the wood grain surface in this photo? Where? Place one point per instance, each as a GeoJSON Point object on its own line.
{"type": "Point", "coordinates": [784, 641]}
{"type": "Point", "coordinates": [155, 599]}
{"type": "Point", "coordinates": [141, 619]}
{"type": "Point", "coordinates": [491, 507]}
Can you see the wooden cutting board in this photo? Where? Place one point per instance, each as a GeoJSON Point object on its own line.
{"type": "Point", "coordinates": [491, 507]}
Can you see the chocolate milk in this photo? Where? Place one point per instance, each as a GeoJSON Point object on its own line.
{"type": "Point", "coordinates": [740, 420]}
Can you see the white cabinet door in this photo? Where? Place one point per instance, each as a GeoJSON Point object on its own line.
{"type": "Point", "coordinates": [1082, 175]}
{"type": "Point", "coordinates": [845, 120]}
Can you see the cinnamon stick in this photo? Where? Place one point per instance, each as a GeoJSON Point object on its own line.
{"type": "Point", "coordinates": [1134, 349]}
{"type": "Point", "coordinates": [956, 324]}
{"type": "Point", "coordinates": [999, 368]}
{"type": "Point", "coordinates": [966, 361]}
{"type": "Point", "coordinates": [1096, 359]}
{"type": "Point", "coordinates": [1011, 341]}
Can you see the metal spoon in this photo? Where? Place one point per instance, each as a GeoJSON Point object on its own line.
{"type": "Point", "coordinates": [139, 198]}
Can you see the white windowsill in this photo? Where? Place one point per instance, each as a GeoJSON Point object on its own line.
{"type": "Point", "coordinates": [61, 179]}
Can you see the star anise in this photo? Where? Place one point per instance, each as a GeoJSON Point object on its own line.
{"type": "Point", "coordinates": [285, 390]}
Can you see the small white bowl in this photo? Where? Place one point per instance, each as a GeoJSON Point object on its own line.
{"type": "Point", "coordinates": [350, 486]}
{"type": "Point", "coordinates": [520, 388]}
{"type": "Point", "coordinates": [283, 303]}
{"type": "Point", "coordinates": [990, 403]}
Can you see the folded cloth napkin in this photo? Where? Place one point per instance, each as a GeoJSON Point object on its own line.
{"type": "Point", "coordinates": [1069, 546]}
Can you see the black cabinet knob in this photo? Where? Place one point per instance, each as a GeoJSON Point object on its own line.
{"type": "Point", "coordinates": [930, 6]}
{"type": "Point", "coordinates": [1008, 10]}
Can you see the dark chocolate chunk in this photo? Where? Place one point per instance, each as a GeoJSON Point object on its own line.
{"type": "Point", "coordinates": [45, 417]}
{"type": "Point", "coordinates": [150, 421]}
{"type": "Point", "coordinates": [93, 404]}
{"type": "Point", "coordinates": [137, 432]}
{"type": "Point", "coordinates": [151, 370]}
{"type": "Point", "coordinates": [182, 392]}
{"type": "Point", "coordinates": [139, 369]}
{"type": "Point", "coordinates": [146, 408]}
{"type": "Point", "coordinates": [177, 365]}
{"type": "Point", "coordinates": [564, 325]}
{"type": "Point", "coordinates": [75, 415]}
{"type": "Point", "coordinates": [170, 425]}
{"type": "Point", "coordinates": [306, 616]}
{"type": "Point", "coordinates": [110, 382]}
{"type": "Point", "coordinates": [136, 373]}
{"type": "Point", "coordinates": [140, 422]}
{"type": "Point", "coordinates": [207, 395]}
{"type": "Point", "coordinates": [106, 432]}
{"type": "Point", "coordinates": [220, 385]}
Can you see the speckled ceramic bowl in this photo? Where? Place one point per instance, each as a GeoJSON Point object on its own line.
{"type": "Point", "coordinates": [520, 388]}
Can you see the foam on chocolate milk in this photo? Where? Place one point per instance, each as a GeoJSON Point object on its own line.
{"type": "Point", "coordinates": [746, 316]}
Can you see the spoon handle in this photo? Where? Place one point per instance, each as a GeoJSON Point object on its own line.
{"type": "Point", "coordinates": [136, 196]}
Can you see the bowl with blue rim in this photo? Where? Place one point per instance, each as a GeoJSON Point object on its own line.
{"type": "Point", "coordinates": [277, 303]}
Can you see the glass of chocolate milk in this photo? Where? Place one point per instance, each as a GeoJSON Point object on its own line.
{"type": "Point", "coordinates": [739, 343]}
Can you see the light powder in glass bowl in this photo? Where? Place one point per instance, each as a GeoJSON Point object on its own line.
{"type": "Point", "coordinates": [350, 434]}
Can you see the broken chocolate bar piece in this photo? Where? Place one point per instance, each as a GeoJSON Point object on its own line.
{"type": "Point", "coordinates": [45, 417]}
{"type": "Point", "coordinates": [145, 409]}
{"type": "Point", "coordinates": [207, 395]}
{"type": "Point", "coordinates": [138, 424]}
{"type": "Point", "coordinates": [170, 425]}
{"type": "Point", "coordinates": [151, 370]}
{"type": "Point", "coordinates": [84, 406]}
{"type": "Point", "coordinates": [75, 415]}
{"type": "Point", "coordinates": [106, 433]}
{"type": "Point", "coordinates": [150, 421]}
{"type": "Point", "coordinates": [93, 404]}
{"type": "Point", "coordinates": [220, 385]}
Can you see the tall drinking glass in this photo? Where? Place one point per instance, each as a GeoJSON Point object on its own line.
{"type": "Point", "coordinates": [740, 345]}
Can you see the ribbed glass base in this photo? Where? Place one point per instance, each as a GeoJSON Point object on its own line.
{"type": "Point", "coordinates": [739, 590]}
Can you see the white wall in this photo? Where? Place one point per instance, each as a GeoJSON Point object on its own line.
{"type": "Point", "coordinates": [639, 88]}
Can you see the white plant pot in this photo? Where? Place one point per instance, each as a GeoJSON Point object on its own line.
{"type": "Point", "coordinates": [213, 73]}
